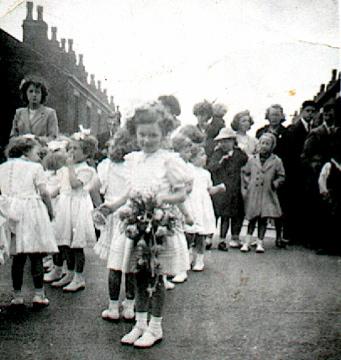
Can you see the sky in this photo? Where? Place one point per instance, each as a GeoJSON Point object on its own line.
{"type": "Point", "coordinates": [247, 54]}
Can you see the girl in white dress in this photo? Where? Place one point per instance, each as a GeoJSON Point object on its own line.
{"type": "Point", "coordinates": [202, 206]}
{"type": "Point", "coordinates": [74, 226]}
{"type": "Point", "coordinates": [160, 172]}
{"type": "Point", "coordinates": [112, 173]}
{"type": "Point", "coordinates": [28, 213]}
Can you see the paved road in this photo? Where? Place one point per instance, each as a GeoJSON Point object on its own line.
{"type": "Point", "coordinates": [284, 304]}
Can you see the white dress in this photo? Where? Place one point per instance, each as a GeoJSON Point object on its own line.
{"type": "Point", "coordinates": [201, 203]}
{"type": "Point", "coordinates": [158, 172]}
{"type": "Point", "coordinates": [113, 178]}
{"type": "Point", "coordinates": [73, 223]}
{"type": "Point", "coordinates": [25, 212]}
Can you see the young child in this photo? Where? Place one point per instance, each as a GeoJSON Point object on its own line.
{"type": "Point", "coordinates": [261, 177]}
{"type": "Point", "coordinates": [52, 162]}
{"type": "Point", "coordinates": [113, 178]}
{"type": "Point", "coordinates": [154, 170]}
{"type": "Point", "coordinates": [225, 165]}
{"type": "Point", "coordinates": [74, 226]}
{"type": "Point", "coordinates": [201, 205]}
{"type": "Point", "coordinates": [29, 210]}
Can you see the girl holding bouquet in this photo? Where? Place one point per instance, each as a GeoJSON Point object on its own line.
{"type": "Point", "coordinates": [158, 174]}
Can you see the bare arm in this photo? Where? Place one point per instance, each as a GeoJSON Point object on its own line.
{"type": "Point", "coordinates": [216, 189]}
{"type": "Point", "coordinates": [74, 181]}
{"type": "Point", "coordinates": [45, 196]}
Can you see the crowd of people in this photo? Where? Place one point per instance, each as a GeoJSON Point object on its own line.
{"type": "Point", "coordinates": [61, 194]}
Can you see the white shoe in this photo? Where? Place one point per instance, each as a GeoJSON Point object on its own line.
{"type": "Point", "coordinates": [180, 278]}
{"type": "Point", "coordinates": [64, 280]}
{"type": "Point", "coordinates": [128, 312]}
{"type": "Point", "coordinates": [168, 285]}
{"type": "Point", "coordinates": [234, 244]}
{"type": "Point", "coordinates": [53, 275]}
{"type": "Point", "coordinates": [259, 248]}
{"type": "Point", "coordinates": [132, 336]}
{"type": "Point", "coordinates": [253, 243]}
{"type": "Point", "coordinates": [199, 263]}
{"type": "Point", "coordinates": [17, 300]}
{"type": "Point", "coordinates": [148, 339]}
{"type": "Point", "coordinates": [40, 300]}
{"type": "Point", "coordinates": [77, 283]}
{"type": "Point", "coordinates": [112, 313]}
{"type": "Point", "coordinates": [245, 248]}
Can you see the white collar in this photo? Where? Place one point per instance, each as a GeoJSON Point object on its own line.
{"type": "Point", "coordinates": [305, 124]}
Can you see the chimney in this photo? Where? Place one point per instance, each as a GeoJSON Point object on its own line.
{"type": "Point", "coordinates": [99, 85]}
{"type": "Point", "coordinates": [40, 13]}
{"type": "Point", "coordinates": [92, 80]}
{"type": "Point", "coordinates": [54, 33]}
{"type": "Point", "coordinates": [334, 74]}
{"type": "Point", "coordinates": [112, 100]}
{"type": "Point", "coordinates": [80, 60]}
{"type": "Point", "coordinates": [322, 88]}
{"type": "Point", "coordinates": [105, 92]}
{"type": "Point", "coordinates": [62, 44]}
{"type": "Point", "coordinates": [70, 44]}
{"type": "Point", "coordinates": [29, 8]}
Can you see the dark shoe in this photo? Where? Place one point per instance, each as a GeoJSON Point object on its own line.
{"type": "Point", "coordinates": [222, 246]}
{"type": "Point", "coordinates": [208, 246]}
{"type": "Point", "coordinates": [280, 243]}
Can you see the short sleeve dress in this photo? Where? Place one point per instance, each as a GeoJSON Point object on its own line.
{"type": "Point", "coordinates": [159, 172]}
{"type": "Point", "coordinates": [73, 222]}
{"type": "Point", "coordinates": [113, 178]}
{"type": "Point", "coordinates": [25, 212]}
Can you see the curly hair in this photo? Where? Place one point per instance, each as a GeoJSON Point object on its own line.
{"type": "Point", "coordinates": [88, 144]}
{"type": "Point", "coordinates": [196, 150]}
{"type": "Point", "coordinates": [219, 110]}
{"type": "Point", "coordinates": [171, 103]}
{"type": "Point", "coordinates": [37, 83]}
{"type": "Point", "coordinates": [19, 146]}
{"type": "Point", "coordinates": [238, 116]}
{"type": "Point", "coordinates": [152, 113]}
{"type": "Point", "coordinates": [203, 107]}
{"type": "Point", "coordinates": [121, 144]}
{"type": "Point", "coordinates": [193, 133]}
{"type": "Point", "coordinates": [54, 160]}
{"type": "Point", "coordinates": [180, 142]}
{"type": "Point", "coordinates": [275, 107]}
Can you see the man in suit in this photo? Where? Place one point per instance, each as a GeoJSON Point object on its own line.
{"type": "Point", "coordinates": [296, 173]}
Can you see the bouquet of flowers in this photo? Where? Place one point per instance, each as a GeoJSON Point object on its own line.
{"type": "Point", "coordinates": [148, 224]}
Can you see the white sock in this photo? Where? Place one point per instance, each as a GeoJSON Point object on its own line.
{"type": "Point", "coordinates": [155, 324]}
{"type": "Point", "coordinates": [141, 319]}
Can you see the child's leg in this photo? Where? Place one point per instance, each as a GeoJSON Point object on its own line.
{"type": "Point", "coordinates": [57, 272]}
{"type": "Point", "coordinates": [18, 264]}
{"type": "Point", "coordinates": [224, 228]}
{"type": "Point", "coordinates": [69, 255]}
{"type": "Point", "coordinates": [200, 248]}
{"type": "Point", "coordinates": [142, 303]}
{"type": "Point", "coordinates": [262, 223]}
{"type": "Point", "coordinates": [153, 333]}
{"type": "Point", "coordinates": [78, 281]}
{"type": "Point", "coordinates": [236, 227]}
{"type": "Point", "coordinates": [128, 312]}
{"type": "Point", "coordinates": [37, 271]}
{"type": "Point", "coordinates": [114, 286]}
{"type": "Point", "coordinates": [250, 229]}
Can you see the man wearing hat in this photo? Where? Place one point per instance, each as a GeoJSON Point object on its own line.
{"type": "Point", "coordinates": [225, 165]}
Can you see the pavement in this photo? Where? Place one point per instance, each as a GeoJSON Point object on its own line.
{"type": "Point", "coordinates": [283, 304]}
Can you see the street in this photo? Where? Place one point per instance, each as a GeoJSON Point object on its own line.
{"type": "Point", "coordinates": [284, 304]}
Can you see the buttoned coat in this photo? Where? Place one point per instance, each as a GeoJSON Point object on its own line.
{"type": "Point", "coordinates": [43, 123]}
{"type": "Point", "coordinates": [259, 186]}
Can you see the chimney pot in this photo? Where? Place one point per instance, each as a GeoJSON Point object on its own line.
{"type": "Point", "coordinates": [92, 80]}
{"type": "Point", "coordinates": [54, 33]}
{"type": "Point", "coordinates": [111, 100]}
{"type": "Point", "coordinates": [334, 74]}
{"type": "Point", "coordinates": [70, 44]}
{"type": "Point", "coordinates": [80, 59]}
{"type": "Point", "coordinates": [323, 86]}
{"type": "Point", "coordinates": [62, 42]}
{"type": "Point", "coordinates": [40, 12]}
{"type": "Point", "coordinates": [29, 8]}
{"type": "Point", "coordinates": [105, 92]}
{"type": "Point", "coordinates": [99, 85]}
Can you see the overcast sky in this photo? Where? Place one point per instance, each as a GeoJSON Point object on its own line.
{"type": "Point", "coordinates": [247, 54]}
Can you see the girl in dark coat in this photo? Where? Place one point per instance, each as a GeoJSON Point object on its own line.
{"type": "Point", "coordinates": [225, 165]}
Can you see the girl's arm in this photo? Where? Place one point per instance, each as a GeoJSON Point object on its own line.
{"type": "Point", "coordinates": [109, 207]}
{"type": "Point", "coordinates": [176, 197]}
{"type": "Point", "coordinates": [322, 181]}
{"type": "Point", "coordinates": [216, 189]}
{"type": "Point", "coordinates": [188, 218]}
{"type": "Point", "coordinates": [280, 176]}
{"type": "Point", "coordinates": [74, 181]}
{"type": "Point", "coordinates": [45, 196]}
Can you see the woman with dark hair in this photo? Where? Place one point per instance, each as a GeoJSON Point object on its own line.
{"type": "Point", "coordinates": [35, 118]}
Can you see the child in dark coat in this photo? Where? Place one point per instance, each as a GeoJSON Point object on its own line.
{"type": "Point", "coordinates": [225, 165]}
